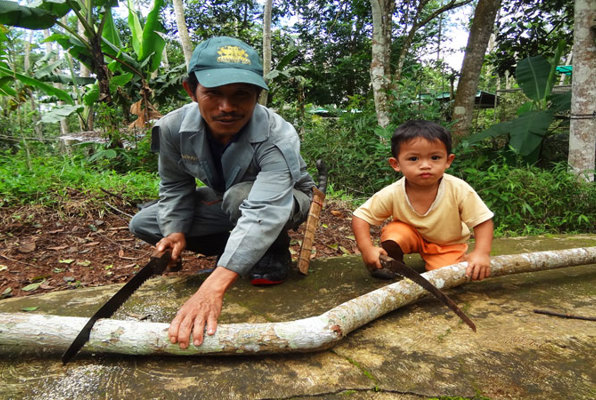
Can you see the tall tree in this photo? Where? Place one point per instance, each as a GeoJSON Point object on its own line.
{"type": "Point", "coordinates": [414, 16]}
{"type": "Point", "coordinates": [582, 131]}
{"type": "Point", "coordinates": [182, 30]}
{"type": "Point", "coordinates": [480, 32]}
{"type": "Point", "coordinates": [334, 42]}
{"type": "Point", "coordinates": [238, 18]}
{"type": "Point", "coordinates": [266, 46]}
{"type": "Point", "coordinates": [380, 66]}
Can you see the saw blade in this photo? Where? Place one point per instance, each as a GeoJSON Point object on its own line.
{"type": "Point", "coordinates": [407, 272]}
{"type": "Point", "coordinates": [157, 265]}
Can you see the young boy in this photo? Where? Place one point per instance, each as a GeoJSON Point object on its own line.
{"type": "Point", "coordinates": [432, 212]}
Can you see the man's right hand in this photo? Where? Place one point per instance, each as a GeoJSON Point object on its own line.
{"type": "Point", "coordinates": [175, 242]}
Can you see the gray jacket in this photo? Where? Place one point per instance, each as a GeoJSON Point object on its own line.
{"type": "Point", "coordinates": [267, 153]}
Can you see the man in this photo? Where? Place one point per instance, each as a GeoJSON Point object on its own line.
{"type": "Point", "coordinates": [256, 183]}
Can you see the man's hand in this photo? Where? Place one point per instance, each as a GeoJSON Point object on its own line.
{"type": "Point", "coordinates": [202, 309]}
{"type": "Point", "coordinates": [174, 241]}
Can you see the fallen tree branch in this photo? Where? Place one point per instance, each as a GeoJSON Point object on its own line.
{"type": "Point", "coordinates": [570, 316]}
{"type": "Point", "coordinates": [117, 210]}
{"type": "Point", "coordinates": [26, 332]}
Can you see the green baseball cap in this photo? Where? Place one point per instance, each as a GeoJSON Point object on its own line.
{"type": "Point", "coordinates": [224, 60]}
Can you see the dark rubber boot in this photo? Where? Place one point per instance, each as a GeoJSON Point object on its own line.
{"type": "Point", "coordinates": [274, 266]}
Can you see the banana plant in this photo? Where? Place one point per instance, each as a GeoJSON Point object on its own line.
{"type": "Point", "coordinates": [536, 77]}
{"type": "Point", "coordinates": [8, 77]}
{"type": "Point", "coordinates": [87, 47]}
{"type": "Point", "coordinates": [100, 41]}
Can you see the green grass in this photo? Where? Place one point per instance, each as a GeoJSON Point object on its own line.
{"type": "Point", "coordinates": [49, 180]}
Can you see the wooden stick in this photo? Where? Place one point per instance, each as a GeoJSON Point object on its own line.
{"type": "Point", "coordinates": [30, 332]}
{"type": "Point", "coordinates": [571, 316]}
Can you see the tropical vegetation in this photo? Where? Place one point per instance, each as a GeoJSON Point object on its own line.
{"type": "Point", "coordinates": [98, 73]}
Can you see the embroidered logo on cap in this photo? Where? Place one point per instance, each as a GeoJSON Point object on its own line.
{"type": "Point", "coordinates": [233, 54]}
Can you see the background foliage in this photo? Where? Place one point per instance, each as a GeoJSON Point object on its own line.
{"type": "Point", "coordinates": [320, 82]}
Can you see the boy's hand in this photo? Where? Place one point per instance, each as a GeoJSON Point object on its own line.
{"type": "Point", "coordinates": [371, 257]}
{"type": "Point", "coordinates": [478, 266]}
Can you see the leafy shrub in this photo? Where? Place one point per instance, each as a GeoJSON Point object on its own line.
{"type": "Point", "coordinates": [136, 156]}
{"type": "Point", "coordinates": [528, 200]}
{"type": "Point", "coordinates": [354, 152]}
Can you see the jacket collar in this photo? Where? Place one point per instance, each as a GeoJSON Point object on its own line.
{"type": "Point", "coordinates": [237, 156]}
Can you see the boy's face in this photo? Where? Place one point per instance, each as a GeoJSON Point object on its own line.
{"type": "Point", "coordinates": [422, 161]}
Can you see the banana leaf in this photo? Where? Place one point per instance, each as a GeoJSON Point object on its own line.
{"type": "Point", "coordinates": [532, 76]}
{"type": "Point", "coordinates": [48, 89]}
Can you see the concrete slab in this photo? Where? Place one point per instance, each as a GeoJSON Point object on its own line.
{"type": "Point", "coordinates": [419, 351]}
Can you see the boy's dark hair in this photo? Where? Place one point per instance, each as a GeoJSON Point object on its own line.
{"type": "Point", "coordinates": [419, 128]}
{"type": "Point", "coordinates": [193, 83]}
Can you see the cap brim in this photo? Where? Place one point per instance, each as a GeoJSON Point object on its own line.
{"type": "Point", "coordinates": [224, 76]}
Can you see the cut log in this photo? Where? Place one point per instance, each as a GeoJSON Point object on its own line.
{"type": "Point", "coordinates": [34, 332]}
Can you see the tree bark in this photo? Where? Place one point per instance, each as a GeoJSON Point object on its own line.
{"type": "Point", "coordinates": [582, 129]}
{"type": "Point", "coordinates": [49, 333]}
{"type": "Point", "coordinates": [266, 47]}
{"type": "Point", "coordinates": [480, 32]}
{"type": "Point", "coordinates": [183, 30]}
{"type": "Point", "coordinates": [380, 66]}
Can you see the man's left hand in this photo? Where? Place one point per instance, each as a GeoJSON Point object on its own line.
{"type": "Point", "coordinates": [202, 309]}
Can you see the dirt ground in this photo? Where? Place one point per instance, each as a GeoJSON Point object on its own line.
{"type": "Point", "coordinates": [44, 249]}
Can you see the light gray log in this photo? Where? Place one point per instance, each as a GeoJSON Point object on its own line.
{"type": "Point", "coordinates": [55, 333]}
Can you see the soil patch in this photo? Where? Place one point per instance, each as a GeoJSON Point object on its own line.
{"type": "Point", "coordinates": [44, 249]}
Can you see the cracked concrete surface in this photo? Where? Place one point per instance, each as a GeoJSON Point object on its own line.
{"type": "Point", "coordinates": [417, 352]}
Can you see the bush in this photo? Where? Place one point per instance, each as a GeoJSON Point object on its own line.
{"type": "Point", "coordinates": [529, 200]}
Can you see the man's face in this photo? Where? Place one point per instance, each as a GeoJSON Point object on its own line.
{"type": "Point", "coordinates": [226, 109]}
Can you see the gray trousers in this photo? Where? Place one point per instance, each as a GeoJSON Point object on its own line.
{"type": "Point", "coordinates": [214, 217]}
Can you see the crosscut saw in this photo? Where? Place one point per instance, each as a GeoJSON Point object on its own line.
{"type": "Point", "coordinates": [156, 266]}
{"type": "Point", "coordinates": [407, 272]}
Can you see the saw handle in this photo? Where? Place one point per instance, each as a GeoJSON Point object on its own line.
{"type": "Point", "coordinates": [165, 264]}
{"type": "Point", "coordinates": [323, 174]}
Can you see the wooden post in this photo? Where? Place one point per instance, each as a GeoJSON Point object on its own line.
{"type": "Point", "coordinates": [312, 223]}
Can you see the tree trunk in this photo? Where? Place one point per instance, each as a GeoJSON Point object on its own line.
{"type": "Point", "coordinates": [183, 31]}
{"type": "Point", "coordinates": [266, 47]}
{"type": "Point", "coordinates": [31, 332]}
{"type": "Point", "coordinates": [84, 72]}
{"type": "Point", "coordinates": [380, 67]}
{"type": "Point", "coordinates": [582, 129]}
{"type": "Point", "coordinates": [35, 114]}
{"type": "Point", "coordinates": [480, 32]}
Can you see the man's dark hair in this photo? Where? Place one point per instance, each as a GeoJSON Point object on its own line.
{"type": "Point", "coordinates": [193, 84]}
{"type": "Point", "coordinates": [419, 128]}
